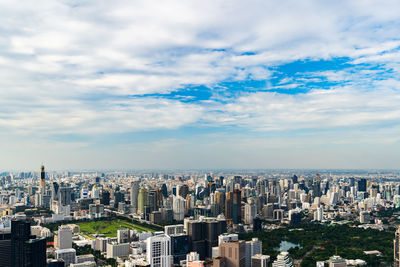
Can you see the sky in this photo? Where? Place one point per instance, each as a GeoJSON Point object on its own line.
{"type": "Point", "coordinates": [199, 84]}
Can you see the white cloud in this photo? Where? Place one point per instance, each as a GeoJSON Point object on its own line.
{"type": "Point", "coordinates": [72, 67]}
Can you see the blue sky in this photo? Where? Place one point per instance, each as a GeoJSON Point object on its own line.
{"type": "Point", "coordinates": [210, 84]}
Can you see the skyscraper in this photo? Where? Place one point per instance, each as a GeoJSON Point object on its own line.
{"type": "Point", "coordinates": [159, 251]}
{"type": "Point", "coordinates": [64, 237]}
{"type": "Point", "coordinates": [134, 195]}
{"type": "Point", "coordinates": [42, 179]}
{"type": "Point", "coordinates": [234, 253]}
{"type": "Point", "coordinates": [25, 249]}
{"type": "Point", "coordinates": [237, 207]}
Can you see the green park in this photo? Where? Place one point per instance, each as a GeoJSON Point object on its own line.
{"type": "Point", "coordinates": [109, 228]}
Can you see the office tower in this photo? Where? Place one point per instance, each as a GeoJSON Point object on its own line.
{"type": "Point", "coordinates": [158, 251]}
{"type": "Point", "coordinates": [318, 214]}
{"type": "Point", "coordinates": [142, 200]}
{"type": "Point", "coordinates": [179, 246]}
{"type": "Point", "coordinates": [260, 260]}
{"type": "Point", "coordinates": [164, 190]}
{"type": "Point", "coordinates": [183, 190]}
{"type": "Point", "coordinates": [42, 179]}
{"type": "Point", "coordinates": [105, 198]}
{"type": "Point", "coordinates": [295, 179]}
{"type": "Point", "coordinates": [152, 201]}
{"type": "Point", "coordinates": [253, 247]}
{"type": "Point", "coordinates": [65, 196]}
{"type": "Point", "coordinates": [294, 217]}
{"type": "Point", "coordinates": [178, 208]}
{"type": "Point", "coordinates": [396, 249]}
{"type": "Point", "coordinates": [96, 211]}
{"type": "Point", "coordinates": [68, 255]}
{"type": "Point", "coordinates": [64, 237]}
{"type": "Point", "coordinates": [123, 236]}
{"type": "Point", "coordinates": [234, 253]}
{"type": "Point", "coordinates": [337, 261]}
{"type": "Point", "coordinates": [5, 247]}
{"type": "Point", "coordinates": [118, 197]}
{"type": "Point", "coordinates": [362, 185]}
{"type": "Point", "coordinates": [283, 260]}
{"type": "Point", "coordinates": [20, 234]}
{"type": "Point", "coordinates": [26, 250]}
{"type": "Point", "coordinates": [115, 250]}
{"type": "Point", "coordinates": [237, 207]}
{"type": "Point", "coordinates": [229, 206]}
{"type": "Point", "coordinates": [203, 235]}
{"type": "Point", "coordinates": [54, 191]}
{"type": "Point", "coordinates": [36, 252]}
{"type": "Point", "coordinates": [134, 195]}
{"type": "Point", "coordinates": [249, 213]}
{"type": "Point", "coordinates": [220, 201]}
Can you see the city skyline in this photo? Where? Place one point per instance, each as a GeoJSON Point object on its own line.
{"type": "Point", "coordinates": [189, 85]}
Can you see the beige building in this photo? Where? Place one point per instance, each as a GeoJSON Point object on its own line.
{"type": "Point", "coordinates": [234, 253]}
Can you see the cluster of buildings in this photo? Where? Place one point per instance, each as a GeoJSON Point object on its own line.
{"type": "Point", "coordinates": [205, 213]}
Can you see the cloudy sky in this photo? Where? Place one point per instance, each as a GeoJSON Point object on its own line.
{"type": "Point", "coordinates": [199, 84]}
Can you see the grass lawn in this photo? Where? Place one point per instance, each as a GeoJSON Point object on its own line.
{"type": "Point", "coordinates": [109, 228]}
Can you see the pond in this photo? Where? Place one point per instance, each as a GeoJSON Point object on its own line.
{"type": "Point", "coordinates": [286, 245]}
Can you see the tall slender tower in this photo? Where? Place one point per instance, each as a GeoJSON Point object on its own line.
{"type": "Point", "coordinates": [42, 179]}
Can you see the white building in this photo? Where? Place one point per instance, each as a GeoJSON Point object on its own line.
{"type": "Point", "coordinates": [227, 238]}
{"type": "Point", "coordinates": [318, 214]}
{"type": "Point", "coordinates": [68, 255]}
{"type": "Point", "coordinates": [337, 261]}
{"type": "Point", "coordinates": [174, 229]}
{"type": "Point", "coordinates": [249, 213]}
{"type": "Point", "coordinates": [283, 260]}
{"type": "Point", "coordinates": [115, 250]}
{"type": "Point", "coordinates": [159, 251]}
{"type": "Point", "coordinates": [178, 208]}
{"type": "Point", "coordinates": [64, 237]}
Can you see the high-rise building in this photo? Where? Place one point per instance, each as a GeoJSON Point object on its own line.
{"type": "Point", "coordinates": [42, 179]}
{"type": "Point", "coordinates": [68, 255]}
{"type": "Point", "coordinates": [203, 236]}
{"type": "Point", "coordinates": [178, 207]}
{"type": "Point", "coordinates": [25, 249]}
{"type": "Point", "coordinates": [142, 201]}
{"type": "Point", "coordinates": [237, 207]}
{"type": "Point", "coordinates": [5, 247]}
{"type": "Point", "coordinates": [54, 191]}
{"type": "Point", "coordinates": [253, 247]}
{"type": "Point", "coordinates": [234, 253]}
{"type": "Point", "coordinates": [396, 249]}
{"type": "Point", "coordinates": [229, 206]}
{"type": "Point", "coordinates": [64, 237]}
{"type": "Point", "coordinates": [249, 213]}
{"type": "Point", "coordinates": [65, 196]}
{"type": "Point", "coordinates": [134, 195]}
{"type": "Point", "coordinates": [362, 185]}
{"type": "Point", "coordinates": [105, 198]}
{"type": "Point", "coordinates": [179, 247]}
{"type": "Point", "coordinates": [159, 251]}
